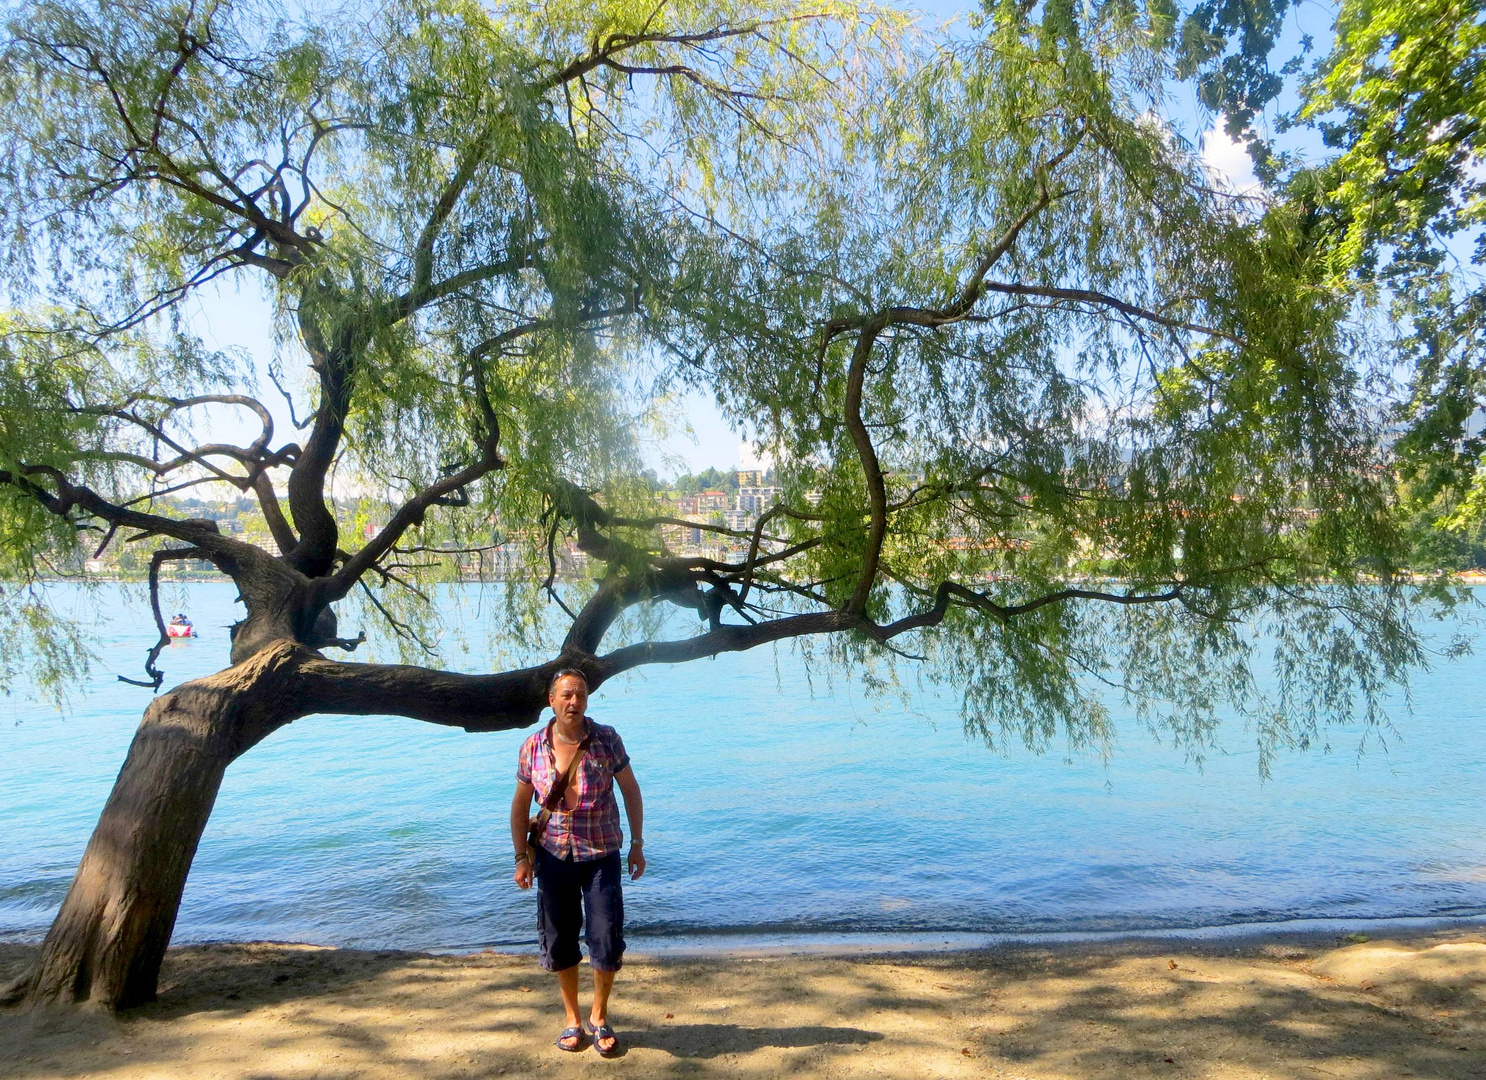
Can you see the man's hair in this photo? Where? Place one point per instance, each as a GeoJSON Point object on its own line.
{"type": "Point", "coordinates": [563, 673]}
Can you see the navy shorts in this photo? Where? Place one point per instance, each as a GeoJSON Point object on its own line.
{"type": "Point", "coordinates": [570, 894]}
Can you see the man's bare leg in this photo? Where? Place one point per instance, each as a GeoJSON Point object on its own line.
{"type": "Point", "coordinates": [567, 986]}
{"type": "Point", "coordinates": [603, 982]}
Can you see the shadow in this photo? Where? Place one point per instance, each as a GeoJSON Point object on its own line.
{"type": "Point", "coordinates": [716, 1040]}
{"type": "Point", "coordinates": [14, 960]}
{"type": "Point", "coordinates": [230, 975]}
{"type": "Point", "coordinates": [197, 978]}
{"type": "Point", "coordinates": [257, 1011]}
{"type": "Point", "coordinates": [1291, 1011]}
{"type": "Point", "coordinates": [1148, 1009]}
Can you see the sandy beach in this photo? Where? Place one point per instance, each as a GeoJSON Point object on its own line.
{"type": "Point", "coordinates": [1279, 1009]}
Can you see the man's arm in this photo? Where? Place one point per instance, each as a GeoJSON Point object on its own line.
{"type": "Point", "coordinates": [520, 822]}
{"type": "Point", "coordinates": [634, 809]}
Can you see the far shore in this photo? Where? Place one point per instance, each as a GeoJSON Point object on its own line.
{"type": "Point", "coordinates": [1278, 1006]}
{"type": "Point", "coordinates": [113, 577]}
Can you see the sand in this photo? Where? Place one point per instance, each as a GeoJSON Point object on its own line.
{"type": "Point", "coordinates": [1278, 1009]}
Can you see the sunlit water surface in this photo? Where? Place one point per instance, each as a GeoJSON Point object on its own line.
{"type": "Point", "coordinates": [773, 811]}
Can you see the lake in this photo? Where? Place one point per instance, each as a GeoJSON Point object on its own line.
{"type": "Point", "coordinates": [774, 813]}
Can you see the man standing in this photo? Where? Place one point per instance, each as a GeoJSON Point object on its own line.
{"type": "Point", "coordinates": [576, 860]}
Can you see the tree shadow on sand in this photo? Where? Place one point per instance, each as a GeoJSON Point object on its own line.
{"type": "Point", "coordinates": [197, 979]}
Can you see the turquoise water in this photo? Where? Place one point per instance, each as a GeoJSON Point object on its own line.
{"type": "Point", "coordinates": [770, 812]}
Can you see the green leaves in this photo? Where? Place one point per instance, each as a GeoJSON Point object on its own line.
{"type": "Point", "coordinates": [1097, 374]}
{"type": "Point", "coordinates": [1402, 95]}
{"type": "Point", "coordinates": [1398, 209]}
{"type": "Point", "coordinates": [1043, 404]}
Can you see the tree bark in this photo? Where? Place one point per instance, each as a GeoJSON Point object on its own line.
{"type": "Point", "coordinates": [108, 940]}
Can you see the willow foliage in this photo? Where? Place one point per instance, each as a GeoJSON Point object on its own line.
{"type": "Point", "coordinates": [1154, 385]}
{"type": "Point", "coordinates": [1049, 412]}
{"type": "Point", "coordinates": [447, 193]}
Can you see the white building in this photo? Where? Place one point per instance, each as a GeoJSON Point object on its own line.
{"type": "Point", "coordinates": [757, 499]}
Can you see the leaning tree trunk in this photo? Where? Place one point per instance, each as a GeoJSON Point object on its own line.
{"type": "Point", "coordinates": [109, 938]}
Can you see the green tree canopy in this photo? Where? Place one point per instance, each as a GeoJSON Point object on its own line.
{"type": "Point", "coordinates": [1398, 207]}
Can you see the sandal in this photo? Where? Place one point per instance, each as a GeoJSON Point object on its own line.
{"type": "Point", "coordinates": [574, 1033]}
{"type": "Point", "coordinates": [602, 1031]}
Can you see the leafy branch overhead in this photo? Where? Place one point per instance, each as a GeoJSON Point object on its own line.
{"type": "Point", "coordinates": [970, 298]}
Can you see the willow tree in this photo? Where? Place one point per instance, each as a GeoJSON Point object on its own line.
{"type": "Point", "coordinates": [1047, 410]}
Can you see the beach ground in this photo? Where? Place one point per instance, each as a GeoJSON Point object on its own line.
{"type": "Point", "coordinates": [1284, 1008]}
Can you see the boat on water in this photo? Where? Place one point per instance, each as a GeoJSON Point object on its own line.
{"type": "Point", "coordinates": [180, 627]}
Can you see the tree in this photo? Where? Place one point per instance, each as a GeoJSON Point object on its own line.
{"type": "Point", "coordinates": [1064, 413]}
{"type": "Point", "coordinates": [1401, 98]}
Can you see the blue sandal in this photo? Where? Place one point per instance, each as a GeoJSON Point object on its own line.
{"type": "Point", "coordinates": [602, 1031]}
{"type": "Point", "coordinates": [574, 1033]}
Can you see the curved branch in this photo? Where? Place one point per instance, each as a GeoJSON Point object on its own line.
{"type": "Point", "coordinates": [515, 698]}
{"type": "Point", "coordinates": [245, 563]}
{"type": "Point", "coordinates": [726, 638]}
{"type": "Point", "coordinates": [334, 361]}
{"type": "Point", "coordinates": [622, 591]}
{"type": "Point", "coordinates": [425, 292]}
{"type": "Point", "coordinates": [512, 699]}
{"type": "Point", "coordinates": [159, 558]}
{"type": "Point", "coordinates": [867, 455]}
{"type": "Point", "coordinates": [746, 568]}
{"type": "Point", "coordinates": [411, 513]}
{"type": "Point", "coordinates": [289, 401]}
{"type": "Point", "coordinates": [278, 526]}
{"type": "Point", "coordinates": [1005, 613]}
{"type": "Point", "coordinates": [602, 54]}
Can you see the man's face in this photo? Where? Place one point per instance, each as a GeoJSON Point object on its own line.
{"type": "Point", "coordinates": [569, 698]}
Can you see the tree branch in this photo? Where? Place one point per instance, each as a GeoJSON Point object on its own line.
{"type": "Point", "coordinates": [334, 360]}
{"type": "Point", "coordinates": [1089, 296]}
{"type": "Point", "coordinates": [602, 53]}
{"type": "Point", "coordinates": [871, 468]}
{"type": "Point", "coordinates": [619, 592]}
{"type": "Point", "coordinates": [160, 557]}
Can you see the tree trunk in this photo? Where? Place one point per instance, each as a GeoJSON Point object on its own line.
{"type": "Point", "coordinates": [109, 938]}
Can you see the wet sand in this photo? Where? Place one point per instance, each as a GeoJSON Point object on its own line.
{"type": "Point", "coordinates": [1281, 1008]}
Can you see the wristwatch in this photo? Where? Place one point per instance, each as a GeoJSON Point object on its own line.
{"type": "Point", "coordinates": [637, 842]}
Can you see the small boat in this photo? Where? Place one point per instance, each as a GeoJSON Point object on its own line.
{"type": "Point", "coordinates": [180, 627]}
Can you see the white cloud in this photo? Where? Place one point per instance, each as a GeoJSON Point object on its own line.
{"type": "Point", "coordinates": [748, 458]}
{"type": "Point", "coordinates": [1227, 162]}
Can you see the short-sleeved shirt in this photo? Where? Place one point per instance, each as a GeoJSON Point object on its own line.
{"type": "Point", "coordinates": [592, 830]}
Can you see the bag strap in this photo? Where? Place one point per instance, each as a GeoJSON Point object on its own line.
{"type": "Point", "coordinates": [560, 785]}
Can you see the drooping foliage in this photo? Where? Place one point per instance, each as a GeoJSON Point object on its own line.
{"type": "Point", "coordinates": [1395, 205]}
{"type": "Point", "coordinates": [1038, 398]}
{"type": "Point", "coordinates": [1074, 365]}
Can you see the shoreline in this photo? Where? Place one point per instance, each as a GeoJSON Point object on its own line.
{"type": "Point", "coordinates": [1277, 1005]}
{"type": "Point", "coordinates": [742, 942]}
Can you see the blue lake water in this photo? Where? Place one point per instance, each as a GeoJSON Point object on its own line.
{"type": "Point", "coordinates": [771, 811]}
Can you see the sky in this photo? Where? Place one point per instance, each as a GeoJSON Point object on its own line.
{"type": "Point", "coordinates": [241, 320]}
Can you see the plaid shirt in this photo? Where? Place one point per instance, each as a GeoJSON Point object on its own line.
{"type": "Point", "coordinates": [592, 830]}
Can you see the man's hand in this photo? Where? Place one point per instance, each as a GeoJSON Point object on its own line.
{"type": "Point", "coordinates": [636, 863]}
{"type": "Point", "coordinates": [522, 876]}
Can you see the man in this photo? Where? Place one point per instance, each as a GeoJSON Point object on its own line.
{"type": "Point", "coordinates": [576, 861]}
